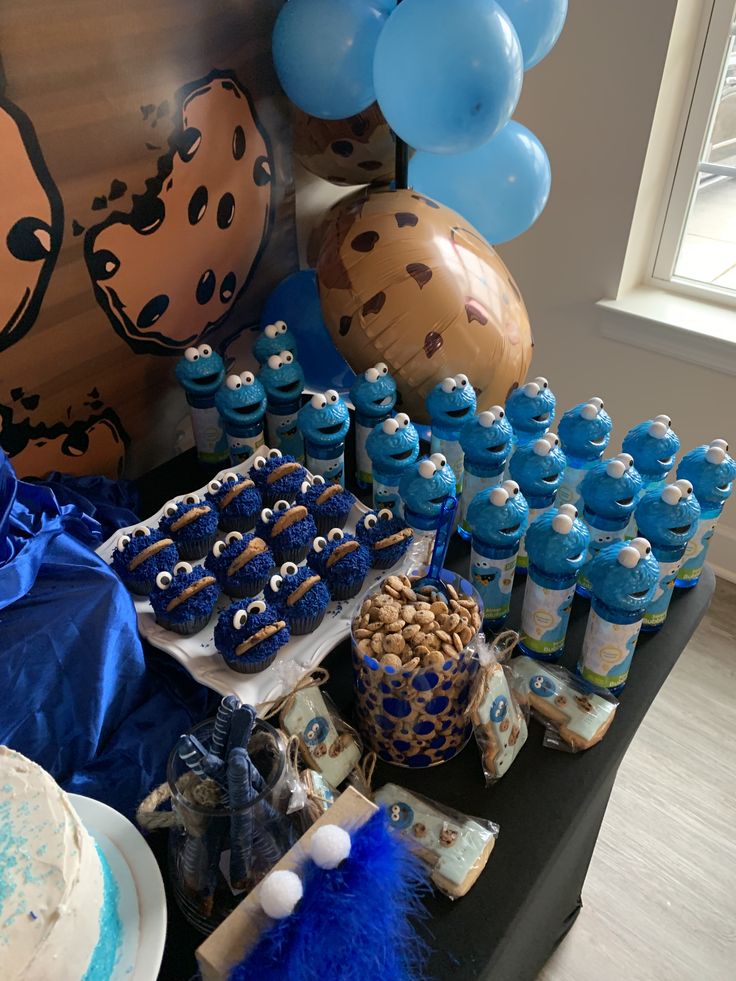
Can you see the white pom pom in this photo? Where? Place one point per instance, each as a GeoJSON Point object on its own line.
{"type": "Point", "coordinates": [330, 845]}
{"type": "Point", "coordinates": [279, 893]}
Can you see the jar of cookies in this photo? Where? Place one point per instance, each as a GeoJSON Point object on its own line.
{"type": "Point", "coordinates": [414, 662]}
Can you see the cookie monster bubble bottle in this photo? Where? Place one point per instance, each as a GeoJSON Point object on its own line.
{"type": "Point", "coordinates": [273, 339]}
{"type": "Point", "coordinates": [423, 489]}
{"type": "Point", "coordinates": [608, 495]}
{"type": "Point", "coordinates": [556, 542]}
{"type": "Point", "coordinates": [450, 404]}
{"type": "Point", "coordinates": [283, 381]}
{"type": "Point", "coordinates": [711, 471]}
{"type": "Point", "coordinates": [200, 372]}
{"type": "Point", "coordinates": [668, 519]}
{"type": "Point", "coordinates": [498, 516]}
{"type": "Point", "coordinates": [584, 431]}
{"type": "Point", "coordinates": [623, 579]}
{"type": "Point", "coordinates": [531, 411]}
{"type": "Point", "coordinates": [324, 422]}
{"type": "Point", "coordinates": [374, 396]}
{"type": "Point", "coordinates": [393, 447]}
{"type": "Point", "coordinates": [485, 441]}
{"type": "Point", "coordinates": [538, 469]}
{"type": "Point", "coordinates": [241, 403]}
{"type": "Point", "coordinates": [653, 445]}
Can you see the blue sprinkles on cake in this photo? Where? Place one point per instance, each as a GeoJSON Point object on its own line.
{"type": "Point", "coordinates": [386, 535]}
{"type": "Point", "coordinates": [287, 530]}
{"type": "Point", "coordinates": [183, 600]}
{"type": "Point", "coordinates": [191, 523]}
{"type": "Point", "coordinates": [249, 635]}
{"type": "Point", "coordinates": [241, 564]}
{"type": "Point", "coordinates": [329, 504]}
{"type": "Point", "coordinates": [341, 561]}
{"type": "Point", "coordinates": [300, 597]}
{"type": "Point", "coordinates": [237, 500]}
{"type": "Point", "coordinates": [140, 555]}
{"type": "Point", "coordinates": [278, 476]}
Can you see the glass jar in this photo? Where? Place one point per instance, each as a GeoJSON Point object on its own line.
{"type": "Point", "coordinates": [208, 879]}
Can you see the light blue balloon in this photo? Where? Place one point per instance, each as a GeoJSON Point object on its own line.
{"type": "Point", "coordinates": [296, 301]}
{"type": "Point", "coordinates": [323, 53]}
{"type": "Point", "coordinates": [448, 73]}
{"type": "Point", "coordinates": [502, 187]}
{"type": "Point", "coordinates": [538, 23]}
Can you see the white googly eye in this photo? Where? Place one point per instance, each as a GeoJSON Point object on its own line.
{"type": "Point", "coordinates": [541, 381]}
{"type": "Point", "coordinates": [715, 455]}
{"type": "Point", "coordinates": [589, 412]}
{"type": "Point", "coordinates": [335, 535]}
{"type": "Point", "coordinates": [685, 486]}
{"type": "Point", "coordinates": [629, 557]}
{"type": "Point", "coordinates": [598, 403]}
{"type": "Point", "coordinates": [462, 381]}
{"type": "Point", "coordinates": [658, 429]}
{"type": "Point", "coordinates": [616, 469]}
{"type": "Point", "coordinates": [486, 419]}
{"type": "Point", "coordinates": [627, 460]}
{"type": "Point", "coordinates": [499, 496]}
{"type": "Point", "coordinates": [305, 486]}
{"type": "Point", "coordinates": [230, 477]}
{"type": "Point", "coordinates": [671, 494]}
{"type": "Point", "coordinates": [319, 544]}
{"type": "Point", "coordinates": [289, 569]}
{"type": "Point", "coordinates": [382, 367]}
{"type": "Point", "coordinates": [233, 382]}
{"type": "Point", "coordinates": [218, 548]}
{"type": "Point", "coordinates": [266, 515]}
{"type": "Point", "coordinates": [192, 499]}
{"type": "Point", "coordinates": [164, 579]}
{"type": "Point", "coordinates": [403, 420]}
{"type": "Point", "coordinates": [541, 447]}
{"type": "Point", "coordinates": [141, 531]}
{"type": "Point", "coordinates": [498, 411]}
{"type": "Point", "coordinates": [280, 326]}
{"type": "Point", "coordinates": [205, 351]}
{"type": "Point", "coordinates": [122, 543]}
{"type": "Point", "coordinates": [439, 460]}
{"type": "Point", "coordinates": [448, 385]}
{"type": "Point", "coordinates": [275, 454]}
{"type": "Point", "coordinates": [214, 486]}
{"type": "Point", "coordinates": [275, 583]}
{"type": "Point", "coordinates": [332, 396]}
{"type": "Point", "coordinates": [552, 439]}
{"type": "Point", "coordinates": [182, 567]}
{"type": "Point", "coordinates": [191, 354]}
{"type": "Point", "coordinates": [318, 479]}
{"type": "Point", "coordinates": [385, 514]}
{"type": "Point", "coordinates": [286, 356]}
{"type": "Point", "coordinates": [720, 442]}
{"type": "Point", "coordinates": [233, 536]}
{"type": "Point", "coordinates": [390, 427]}
{"type": "Point", "coordinates": [427, 469]}
{"type": "Point", "coordinates": [371, 375]}
{"type": "Point", "coordinates": [511, 487]}
{"type": "Point", "coordinates": [270, 330]}
{"type": "Point", "coordinates": [170, 509]}
{"type": "Point", "coordinates": [641, 545]}
{"type": "Point", "coordinates": [247, 377]}
{"type": "Point", "coordinates": [281, 506]}
{"type": "Point", "coordinates": [240, 618]}
{"type": "Point", "coordinates": [318, 401]}
{"type": "Point", "coordinates": [562, 524]}
{"type": "Point", "coordinates": [259, 463]}
{"type": "Point", "coordinates": [274, 362]}
{"type": "Point", "coordinates": [257, 606]}
{"type": "Point", "coordinates": [371, 520]}
{"type": "Point", "coordinates": [531, 390]}
{"type": "Point", "coordinates": [664, 419]}
{"type": "Point", "coordinates": [569, 509]}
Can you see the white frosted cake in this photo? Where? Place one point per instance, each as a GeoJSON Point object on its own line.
{"type": "Point", "coordinates": [58, 899]}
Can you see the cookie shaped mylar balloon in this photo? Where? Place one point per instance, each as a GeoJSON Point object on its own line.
{"type": "Point", "coordinates": [406, 281]}
{"type": "Point", "coordinates": [356, 150]}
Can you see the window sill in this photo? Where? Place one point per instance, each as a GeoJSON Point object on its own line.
{"type": "Point", "coordinates": [677, 326]}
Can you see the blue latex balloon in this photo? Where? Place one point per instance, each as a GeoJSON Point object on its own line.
{"type": "Point", "coordinates": [323, 53]}
{"type": "Point", "coordinates": [448, 74]}
{"type": "Point", "coordinates": [502, 187]}
{"type": "Point", "coordinates": [538, 23]}
{"type": "Point", "coordinates": [296, 301]}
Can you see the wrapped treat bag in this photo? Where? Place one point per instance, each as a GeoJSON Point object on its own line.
{"type": "Point", "coordinates": [450, 404]}
{"type": "Point", "coordinates": [241, 403]}
{"type": "Point", "coordinates": [531, 411]}
{"type": "Point", "coordinates": [538, 469]}
{"type": "Point", "coordinates": [393, 447]}
{"type": "Point", "coordinates": [324, 422]}
{"type": "Point", "coordinates": [373, 394]}
{"type": "Point", "coordinates": [201, 372]}
{"type": "Point", "coordinates": [584, 431]}
{"type": "Point", "coordinates": [486, 443]}
{"type": "Point", "coordinates": [283, 381]}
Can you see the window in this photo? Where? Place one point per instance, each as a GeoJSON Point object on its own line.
{"type": "Point", "coordinates": [696, 252]}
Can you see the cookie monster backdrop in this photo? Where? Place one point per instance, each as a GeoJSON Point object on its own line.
{"type": "Point", "coordinates": [146, 203]}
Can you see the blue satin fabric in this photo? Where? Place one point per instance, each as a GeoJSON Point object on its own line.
{"type": "Point", "coordinates": [76, 695]}
{"type": "Point", "coordinates": [112, 503]}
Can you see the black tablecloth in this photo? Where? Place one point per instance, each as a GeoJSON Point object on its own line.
{"type": "Point", "coordinates": [549, 805]}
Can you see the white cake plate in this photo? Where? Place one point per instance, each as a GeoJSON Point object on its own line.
{"type": "Point", "coordinates": [142, 901]}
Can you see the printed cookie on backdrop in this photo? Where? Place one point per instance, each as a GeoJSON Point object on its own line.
{"type": "Point", "coordinates": [356, 150]}
{"type": "Point", "coordinates": [383, 252]}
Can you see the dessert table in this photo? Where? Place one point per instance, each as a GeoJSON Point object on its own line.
{"type": "Point", "coordinates": [549, 806]}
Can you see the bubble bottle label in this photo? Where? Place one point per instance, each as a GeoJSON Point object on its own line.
{"type": "Point", "coordinates": [208, 435]}
{"type": "Point", "coordinates": [386, 496]}
{"type": "Point", "coordinates": [363, 463]}
{"type": "Point", "coordinates": [494, 579]}
{"type": "Point", "coordinates": [332, 469]}
{"type": "Point", "coordinates": [697, 551]}
{"type": "Point", "coordinates": [283, 433]}
{"type": "Point", "coordinates": [472, 485]}
{"type": "Point", "coordinates": [544, 618]}
{"type": "Point", "coordinates": [656, 613]}
{"type": "Point", "coordinates": [599, 538]}
{"type": "Point", "coordinates": [453, 453]}
{"type": "Point", "coordinates": [607, 651]}
{"type": "Point", "coordinates": [522, 561]}
{"type": "Point", "coordinates": [241, 447]}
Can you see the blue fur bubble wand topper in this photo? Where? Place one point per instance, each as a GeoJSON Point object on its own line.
{"type": "Point", "coordinates": [369, 885]}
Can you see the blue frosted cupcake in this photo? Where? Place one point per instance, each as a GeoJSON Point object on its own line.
{"type": "Point", "coordinates": [386, 535]}
{"type": "Point", "coordinates": [341, 561]}
{"type": "Point", "coordinates": [192, 524]}
{"type": "Point", "coordinates": [288, 531]}
{"type": "Point", "coordinates": [237, 501]}
{"type": "Point", "coordinates": [241, 564]}
{"type": "Point", "coordinates": [329, 504]}
{"type": "Point", "coordinates": [183, 600]}
{"type": "Point", "coordinates": [277, 476]}
{"type": "Point", "coordinates": [249, 635]}
{"type": "Point", "coordinates": [140, 555]}
{"type": "Point", "coordinates": [300, 597]}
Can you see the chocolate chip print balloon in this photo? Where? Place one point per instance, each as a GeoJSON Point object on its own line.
{"type": "Point", "coordinates": [357, 150]}
{"type": "Point", "coordinates": [406, 281]}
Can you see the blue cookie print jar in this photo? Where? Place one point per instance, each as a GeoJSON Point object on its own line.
{"type": "Point", "coordinates": [241, 403]}
{"type": "Point", "coordinates": [450, 404]}
{"type": "Point", "coordinates": [373, 394]}
{"type": "Point", "coordinates": [585, 432]}
{"type": "Point", "coordinates": [393, 446]}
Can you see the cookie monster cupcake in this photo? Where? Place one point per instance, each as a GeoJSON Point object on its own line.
{"type": "Point", "coordinates": [341, 561]}
{"type": "Point", "coordinates": [192, 524]}
{"type": "Point", "coordinates": [300, 597]}
{"type": "Point", "coordinates": [139, 557]}
{"type": "Point", "coordinates": [237, 501]}
{"type": "Point", "coordinates": [329, 504]}
{"type": "Point", "coordinates": [249, 634]}
{"type": "Point", "coordinates": [241, 564]}
{"type": "Point", "coordinates": [287, 530]}
{"type": "Point", "coordinates": [386, 535]}
{"type": "Point", "coordinates": [277, 476]}
{"type": "Point", "coordinates": [183, 600]}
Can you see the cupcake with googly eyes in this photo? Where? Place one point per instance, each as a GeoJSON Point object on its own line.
{"type": "Point", "coordinates": [183, 599]}
{"type": "Point", "coordinates": [140, 555]}
{"type": "Point", "coordinates": [341, 561]}
{"type": "Point", "coordinates": [329, 504]}
{"type": "Point", "coordinates": [191, 523]}
{"type": "Point", "coordinates": [300, 597]}
{"type": "Point", "coordinates": [237, 500]}
{"type": "Point", "coordinates": [288, 530]}
{"type": "Point", "coordinates": [241, 564]}
{"type": "Point", "coordinates": [249, 635]}
{"type": "Point", "coordinates": [386, 535]}
{"type": "Point", "coordinates": [277, 476]}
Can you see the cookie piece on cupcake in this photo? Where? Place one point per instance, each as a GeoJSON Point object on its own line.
{"type": "Point", "coordinates": [183, 599]}
{"type": "Point", "coordinates": [237, 500]}
{"type": "Point", "coordinates": [241, 564]}
{"type": "Point", "coordinates": [386, 535]}
{"type": "Point", "coordinates": [278, 476]}
{"type": "Point", "coordinates": [249, 635]}
{"type": "Point", "coordinates": [329, 504]}
{"type": "Point", "coordinates": [140, 555]}
{"type": "Point", "coordinates": [287, 530]}
{"type": "Point", "coordinates": [299, 595]}
{"type": "Point", "coordinates": [191, 523]}
{"type": "Point", "coordinates": [341, 561]}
